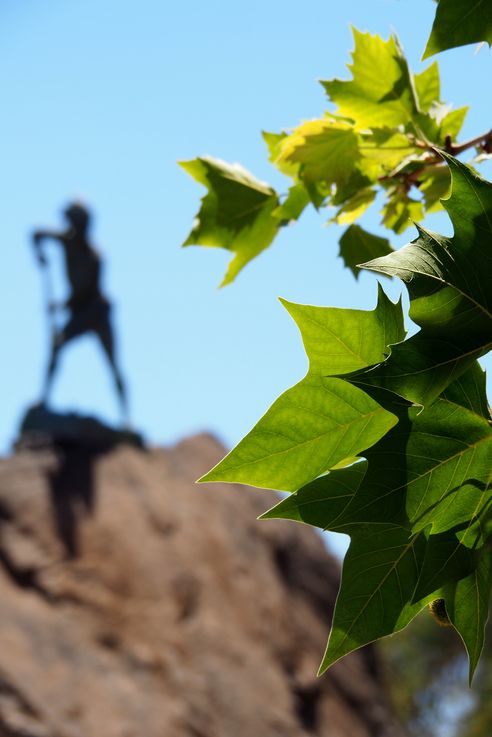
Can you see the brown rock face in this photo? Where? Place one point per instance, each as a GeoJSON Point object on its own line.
{"type": "Point", "coordinates": [137, 604]}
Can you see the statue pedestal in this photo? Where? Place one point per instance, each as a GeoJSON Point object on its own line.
{"type": "Point", "coordinates": [41, 427]}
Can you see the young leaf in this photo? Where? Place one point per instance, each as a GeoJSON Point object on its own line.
{"type": "Point", "coordinates": [324, 150]}
{"type": "Point", "coordinates": [381, 92]}
{"type": "Point", "coordinates": [353, 208]}
{"type": "Point", "coordinates": [458, 23]}
{"type": "Point", "coordinates": [236, 213]}
{"type": "Point", "coordinates": [428, 87]}
{"type": "Point", "coordinates": [294, 204]}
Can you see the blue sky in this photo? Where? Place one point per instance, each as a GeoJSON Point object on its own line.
{"type": "Point", "coordinates": [100, 99]}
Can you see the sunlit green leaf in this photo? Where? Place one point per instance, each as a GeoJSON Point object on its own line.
{"type": "Point", "coordinates": [381, 91]}
{"type": "Point", "coordinates": [236, 213]}
{"type": "Point", "coordinates": [428, 87]}
{"type": "Point", "coordinates": [325, 150]}
{"type": "Point", "coordinates": [294, 204]}
{"type": "Point", "coordinates": [442, 485]}
{"type": "Point", "coordinates": [401, 211]}
{"type": "Point", "coordinates": [303, 434]}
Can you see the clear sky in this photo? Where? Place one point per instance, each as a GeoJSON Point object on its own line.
{"type": "Point", "coordinates": [100, 98]}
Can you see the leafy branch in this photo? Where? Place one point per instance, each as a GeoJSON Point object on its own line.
{"type": "Point", "coordinates": [383, 136]}
{"type": "Point", "coordinates": [387, 438]}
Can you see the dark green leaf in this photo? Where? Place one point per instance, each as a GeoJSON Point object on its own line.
{"type": "Point", "coordinates": [458, 23]}
{"type": "Point", "coordinates": [467, 605]}
{"type": "Point", "coordinates": [379, 575]}
{"type": "Point", "coordinates": [357, 245]}
{"type": "Point", "coordinates": [450, 285]}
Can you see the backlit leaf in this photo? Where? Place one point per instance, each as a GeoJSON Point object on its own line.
{"type": "Point", "coordinates": [303, 434]}
{"type": "Point", "coordinates": [236, 213]}
{"type": "Point", "coordinates": [380, 93]}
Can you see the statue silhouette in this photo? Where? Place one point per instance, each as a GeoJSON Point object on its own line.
{"type": "Point", "coordinates": [88, 307]}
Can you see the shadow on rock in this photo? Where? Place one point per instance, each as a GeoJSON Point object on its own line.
{"type": "Point", "coordinates": [78, 441]}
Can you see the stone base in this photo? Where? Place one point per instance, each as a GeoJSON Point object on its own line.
{"type": "Point", "coordinates": [41, 426]}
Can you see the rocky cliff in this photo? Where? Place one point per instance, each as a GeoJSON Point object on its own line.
{"type": "Point", "coordinates": [134, 603]}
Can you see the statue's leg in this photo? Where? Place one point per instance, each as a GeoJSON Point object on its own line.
{"type": "Point", "coordinates": [105, 334]}
{"type": "Point", "coordinates": [57, 343]}
{"type": "Point", "coordinates": [60, 339]}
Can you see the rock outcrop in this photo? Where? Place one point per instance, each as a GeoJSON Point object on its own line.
{"type": "Point", "coordinates": [134, 603]}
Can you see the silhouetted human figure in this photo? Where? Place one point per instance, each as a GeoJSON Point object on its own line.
{"type": "Point", "coordinates": [89, 309]}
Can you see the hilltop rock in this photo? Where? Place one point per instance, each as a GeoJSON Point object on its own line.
{"type": "Point", "coordinates": [135, 603]}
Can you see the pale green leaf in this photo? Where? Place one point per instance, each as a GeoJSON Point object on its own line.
{"type": "Point", "coordinates": [401, 211]}
{"type": "Point", "coordinates": [294, 204]}
{"type": "Point", "coordinates": [338, 341]}
{"type": "Point", "coordinates": [381, 92]}
{"type": "Point", "coordinates": [324, 150]}
{"type": "Point", "coordinates": [428, 87]}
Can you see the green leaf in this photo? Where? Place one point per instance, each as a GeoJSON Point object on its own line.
{"type": "Point", "coordinates": [311, 427]}
{"type": "Point", "coordinates": [428, 87]}
{"type": "Point", "coordinates": [450, 279]}
{"type": "Point", "coordinates": [451, 123]}
{"type": "Point", "coordinates": [384, 150]}
{"type": "Point", "coordinates": [294, 204]}
{"type": "Point", "coordinates": [321, 421]}
{"type": "Point", "coordinates": [357, 245]}
{"type": "Point", "coordinates": [450, 286]}
{"type": "Point", "coordinates": [324, 150]}
{"type": "Point", "coordinates": [379, 575]}
{"type": "Point", "coordinates": [236, 213]}
{"type": "Point", "coordinates": [354, 208]}
{"type": "Point", "coordinates": [458, 23]}
{"type": "Point", "coordinates": [380, 93]}
{"type": "Point", "coordinates": [467, 605]}
{"type": "Point", "coordinates": [416, 526]}
{"type": "Point", "coordinates": [338, 341]}
{"type": "Point", "coordinates": [442, 484]}
{"type": "Point", "coordinates": [323, 502]}
{"type": "Point", "coordinates": [400, 211]}
{"type": "Point", "coordinates": [435, 186]}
